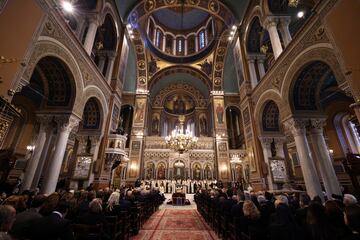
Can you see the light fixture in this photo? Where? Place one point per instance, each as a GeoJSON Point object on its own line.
{"type": "Point", "coordinates": [179, 164]}
{"type": "Point", "coordinates": [235, 159]}
{"type": "Point", "coordinates": [67, 6]}
{"type": "Point", "coordinates": [128, 26]}
{"type": "Point", "coordinates": [293, 3]}
{"type": "Point", "coordinates": [300, 14]}
{"type": "Point", "coordinates": [30, 148]}
{"type": "Point", "coordinates": [232, 33]}
{"type": "Point", "coordinates": [179, 141]}
{"type": "Point", "coordinates": [234, 27]}
{"type": "Point", "coordinates": [331, 151]}
{"type": "Point", "coordinates": [230, 38]}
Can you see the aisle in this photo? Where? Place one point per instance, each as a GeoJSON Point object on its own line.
{"type": "Point", "coordinates": [176, 224]}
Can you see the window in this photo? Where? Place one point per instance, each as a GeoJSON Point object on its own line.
{"type": "Point", "coordinates": [157, 41]}
{"type": "Point", "coordinates": [180, 45]}
{"type": "Point", "coordinates": [202, 39]}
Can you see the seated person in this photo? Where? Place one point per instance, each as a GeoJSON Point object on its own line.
{"type": "Point", "coordinates": [94, 215]}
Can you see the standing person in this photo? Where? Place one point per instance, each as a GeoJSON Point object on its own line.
{"type": "Point", "coordinates": [352, 220]}
{"type": "Point", "coordinates": [318, 225]}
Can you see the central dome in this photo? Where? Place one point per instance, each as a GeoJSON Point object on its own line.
{"type": "Point", "coordinates": [181, 34]}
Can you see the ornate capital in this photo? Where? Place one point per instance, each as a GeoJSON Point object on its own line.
{"type": "Point", "coordinates": [317, 125]}
{"type": "Point", "coordinates": [296, 126]}
{"type": "Point", "coordinates": [66, 123]}
{"type": "Point", "coordinates": [270, 22]}
{"type": "Point", "coordinates": [285, 21]}
{"type": "Point", "coordinates": [266, 141]}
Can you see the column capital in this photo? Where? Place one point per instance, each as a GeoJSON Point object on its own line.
{"type": "Point", "coordinates": [66, 123]}
{"type": "Point", "coordinates": [270, 21]}
{"type": "Point", "coordinates": [317, 125]}
{"type": "Point", "coordinates": [94, 18]}
{"type": "Point", "coordinates": [285, 20]}
{"type": "Point", "coordinates": [266, 140]}
{"type": "Point", "coordinates": [296, 126]}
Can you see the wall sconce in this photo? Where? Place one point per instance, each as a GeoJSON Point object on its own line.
{"type": "Point", "coordinates": [30, 148]}
{"type": "Point", "coordinates": [331, 152]}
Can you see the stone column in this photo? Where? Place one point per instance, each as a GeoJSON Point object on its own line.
{"type": "Point", "coordinates": [65, 124]}
{"type": "Point", "coordinates": [90, 35]}
{"type": "Point", "coordinates": [44, 156]}
{"type": "Point", "coordinates": [261, 67]}
{"type": "Point", "coordinates": [321, 152]}
{"type": "Point", "coordinates": [101, 63]}
{"type": "Point", "coordinates": [298, 130]}
{"type": "Point", "coordinates": [271, 26]}
{"type": "Point", "coordinates": [284, 30]}
{"type": "Point", "coordinates": [110, 66]}
{"type": "Point", "coordinates": [266, 146]}
{"type": "Point", "coordinates": [39, 146]}
{"type": "Point", "coordinates": [252, 71]}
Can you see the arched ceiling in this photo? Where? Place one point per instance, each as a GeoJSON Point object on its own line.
{"type": "Point", "coordinates": [238, 7]}
{"type": "Point", "coordinates": [180, 78]}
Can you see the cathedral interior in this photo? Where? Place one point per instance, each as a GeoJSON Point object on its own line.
{"type": "Point", "coordinates": [266, 91]}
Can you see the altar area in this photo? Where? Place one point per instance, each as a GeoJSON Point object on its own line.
{"type": "Point", "coordinates": [168, 196]}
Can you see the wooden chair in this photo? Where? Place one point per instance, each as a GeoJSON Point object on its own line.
{"type": "Point", "coordinates": [87, 232]}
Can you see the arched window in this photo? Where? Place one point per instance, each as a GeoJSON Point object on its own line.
{"type": "Point", "coordinates": [158, 40]}
{"type": "Point", "coordinates": [202, 41]}
{"type": "Point", "coordinates": [180, 46]}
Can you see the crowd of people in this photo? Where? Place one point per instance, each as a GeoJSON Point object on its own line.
{"type": "Point", "coordinates": [249, 215]}
{"type": "Point", "coordinates": [38, 216]}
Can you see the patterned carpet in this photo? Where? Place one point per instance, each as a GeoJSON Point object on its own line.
{"type": "Point", "coordinates": [176, 224]}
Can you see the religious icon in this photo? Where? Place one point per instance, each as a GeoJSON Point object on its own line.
{"type": "Point", "coordinates": [220, 113]}
{"type": "Point", "coordinates": [203, 125]}
{"type": "Point", "coordinates": [179, 104]}
{"type": "Point", "coordinates": [155, 124]}
{"type": "Point", "coordinates": [139, 114]}
{"type": "Point", "coordinates": [206, 67]}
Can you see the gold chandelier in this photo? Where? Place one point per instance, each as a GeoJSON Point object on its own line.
{"type": "Point", "coordinates": [179, 141]}
{"type": "Point", "coordinates": [293, 3]}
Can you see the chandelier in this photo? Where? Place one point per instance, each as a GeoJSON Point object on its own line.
{"type": "Point", "coordinates": [179, 141]}
{"type": "Point", "coordinates": [235, 159]}
{"type": "Point", "coordinates": [293, 3]}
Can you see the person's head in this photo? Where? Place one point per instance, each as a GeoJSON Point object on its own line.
{"type": "Point", "coordinates": [7, 217]}
{"type": "Point", "coordinates": [91, 195]}
{"type": "Point", "coordinates": [50, 204]}
{"type": "Point", "coordinates": [316, 214]}
{"type": "Point", "coordinates": [261, 199]}
{"type": "Point", "coordinates": [304, 200]}
{"type": "Point", "coordinates": [268, 196]}
{"type": "Point", "coordinates": [349, 200]}
{"type": "Point", "coordinates": [250, 210]}
{"type": "Point", "coordinates": [114, 198]}
{"type": "Point", "coordinates": [281, 199]}
{"type": "Point", "coordinates": [352, 217]}
{"type": "Point", "coordinates": [95, 205]}
{"type": "Point", "coordinates": [229, 193]}
{"type": "Point", "coordinates": [38, 201]}
{"type": "Point", "coordinates": [18, 202]}
{"type": "Point", "coordinates": [62, 207]}
{"type": "Point", "coordinates": [241, 196]}
{"type": "Point", "coordinates": [334, 213]}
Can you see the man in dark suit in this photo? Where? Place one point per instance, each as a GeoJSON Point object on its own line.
{"type": "Point", "coordinates": [300, 214]}
{"type": "Point", "coordinates": [53, 226]}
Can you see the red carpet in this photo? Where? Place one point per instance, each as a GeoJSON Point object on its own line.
{"type": "Point", "coordinates": [175, 224]}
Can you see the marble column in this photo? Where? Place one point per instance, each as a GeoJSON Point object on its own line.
{"type": "Point", "coordinates": [298, 129]}
{"type": "Point", "coordinates": [261, 61]}
{"type": "Point", "coordinates": [65, 125]}
{"type": "Point", "coordinates": [101, 63]}
{"type": "Point", "coordinates": [252, 71]}
{"type": "Point", "coordinates": [32, 165]}
{"type": "Point", "coordinates": [321, 152]}
{"type": "Point", "coordinates": [266, 146]}
{"type": "Point", "coordinates": [110, 66]}
{"type": "Point", "coordinates": [42, 161]}
{"type": "Point", "coordinates": [284, 30]}
{"type": "Point", "coordinates": [90, 35]}
{"type": "Point", "coordinates": [271, 26]}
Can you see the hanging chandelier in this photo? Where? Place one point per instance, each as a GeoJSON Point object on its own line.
{"type": "Point", "coordinates": [179, 141]}
{"type": "Point", "coordinates": [293, 3]}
